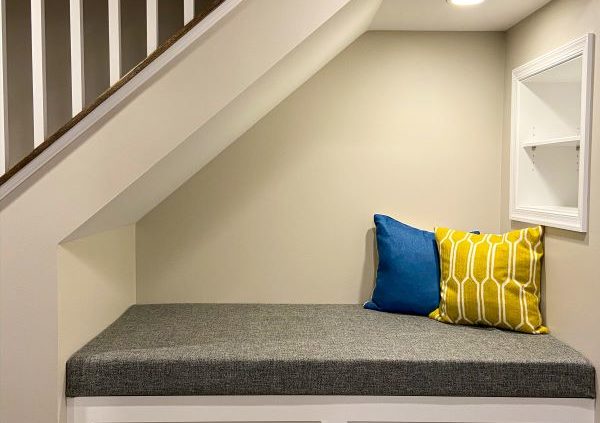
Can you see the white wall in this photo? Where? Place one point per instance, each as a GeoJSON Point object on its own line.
{"type": "Point", "coordinates": [96, 278]}
{"type": "Point", "coordinates": [572, 284]}
{"type": "Point", "coordinates": [407, 124]}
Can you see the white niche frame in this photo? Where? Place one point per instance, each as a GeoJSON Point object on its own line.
{"type": "Point", "coordinates": [573, 217]}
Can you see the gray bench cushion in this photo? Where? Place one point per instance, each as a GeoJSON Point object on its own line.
{"type": "Point", "coordinates": [251, 349]}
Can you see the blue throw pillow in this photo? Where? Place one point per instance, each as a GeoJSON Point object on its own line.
{"type": "Point", "coordinates": [408, 274]}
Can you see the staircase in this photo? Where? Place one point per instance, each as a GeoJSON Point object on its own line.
{"type": "Point", "coordinates": [106, 43]}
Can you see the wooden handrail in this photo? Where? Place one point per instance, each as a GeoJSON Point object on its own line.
{"type": "Point", "coordinates": [109, 92]}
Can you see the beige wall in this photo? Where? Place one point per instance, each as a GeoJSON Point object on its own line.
{"type": "Point", "coordinates": [18, 84]}
{"type": "Point", "coordinates": [58, 69]}
{"type": "Point", "coordinates": [407, 124]}
{"type": "Point", "coordinates": [96, 284]}
{"type": "Point", "coordinates": [572, 281]}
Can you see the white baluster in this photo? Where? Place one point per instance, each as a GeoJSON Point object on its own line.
{"type": "Point", "coordinates": [188, 11]}
{"type": "Point", "coordinates": [3, 105]}
{"type": "Point", "coordinates": [38, 70]}
{"type": "Point", "coordinates": [151, 26]}
{"type": "Point", "coordinates": [77, 78]}
{"type": "Point", "coordinates": [114, 40]}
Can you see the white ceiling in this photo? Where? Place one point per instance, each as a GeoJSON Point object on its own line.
{"type": "Point", "coordinates": [438, 15]}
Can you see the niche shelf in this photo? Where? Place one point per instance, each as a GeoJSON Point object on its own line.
{"type": "Point", "coordinates": [572, 141]}
{"type": "Point", "coordinates": [551, 122]}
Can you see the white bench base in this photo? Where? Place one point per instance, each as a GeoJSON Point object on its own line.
{"type": "Point", "coordinates": [328, 409]}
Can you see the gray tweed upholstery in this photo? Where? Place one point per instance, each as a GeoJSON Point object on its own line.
{"type": "Point", "coordinates": [252, 349]}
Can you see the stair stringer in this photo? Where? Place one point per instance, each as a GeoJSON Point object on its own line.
{"type": "Point", "coordinates": [236, 118]}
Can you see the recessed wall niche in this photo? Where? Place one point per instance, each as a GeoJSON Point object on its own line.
{"type": "Point", "coordinates": [551, 122]}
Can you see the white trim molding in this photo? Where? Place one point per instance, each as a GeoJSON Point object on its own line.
{"type": "Point", "coordinates": [570, 218]}
{"type": "Point", "coordinates": [330, 409]}
{"type": "Point", "coordinates": [119, 96]}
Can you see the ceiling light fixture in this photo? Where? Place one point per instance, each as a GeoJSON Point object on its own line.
{"type": "Point", "coordinates": [465, 2]}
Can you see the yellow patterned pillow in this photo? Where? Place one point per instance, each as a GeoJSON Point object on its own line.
{"type": "Point", "coordinates": [491, 280]}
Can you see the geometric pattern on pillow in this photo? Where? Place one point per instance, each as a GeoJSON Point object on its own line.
{"type": "Point", "coordinates": [491, 280]}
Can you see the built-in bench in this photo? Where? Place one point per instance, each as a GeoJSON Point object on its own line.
{"type": "Point", "coordinates": [338, 351]}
